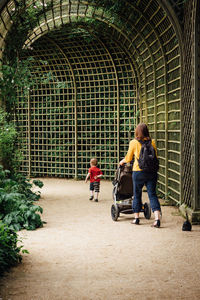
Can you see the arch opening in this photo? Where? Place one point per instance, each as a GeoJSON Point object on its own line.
{"type": "Point", "coordinates": [86, 110]}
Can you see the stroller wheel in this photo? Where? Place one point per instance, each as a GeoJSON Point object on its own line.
{"type": "Point", "coordinates": [114, 193]}
{"type": "Point", "coordinates": [114, 212]}
{"type": "Point", "coordinates": [147, 210]}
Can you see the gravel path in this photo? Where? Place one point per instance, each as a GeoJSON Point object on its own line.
{"type": "Point", "coordinates": [81, 254]}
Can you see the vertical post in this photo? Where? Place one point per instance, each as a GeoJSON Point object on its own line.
{"type": "Point", "coordinates": [166, 136]}
{"type": "Point", "coordinates": [76, 129]}
{"type": "Point", "coordinates": [29, 136]}
{"type": "Point", "coordinates": [196, 200]}
{"type": "Point", "coordinates": [118, 116]}
{"type": "Point", "coordinates": [155, 104]}
{"type": "Point", "coordinates": [1, 104]}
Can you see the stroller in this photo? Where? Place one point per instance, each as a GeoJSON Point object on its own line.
{"type": "Point", "coordinates": [123, 194]}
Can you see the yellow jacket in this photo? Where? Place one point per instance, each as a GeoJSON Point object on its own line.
{"type": "Point", "coordinates": [134, 150]}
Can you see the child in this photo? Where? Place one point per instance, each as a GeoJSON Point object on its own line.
{"type": "Point", "coordinates": [95, 174]}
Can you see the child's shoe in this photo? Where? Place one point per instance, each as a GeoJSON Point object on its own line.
{"type": "Point", "coordinates": [136, 221]}
{"type": "Point", "coordinates": [91, 198]}
{"type": "Point", "coordinates": [96, 200]}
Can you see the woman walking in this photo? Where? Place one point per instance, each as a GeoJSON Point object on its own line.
{"type": "Point", "coordinates": [144, 176]}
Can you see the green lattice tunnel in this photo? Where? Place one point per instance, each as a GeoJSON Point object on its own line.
{"type": "Point", "coordinates": [108, 72]}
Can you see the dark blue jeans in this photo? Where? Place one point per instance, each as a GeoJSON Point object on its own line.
{"type": "Point", "coordinates": [141, 178]}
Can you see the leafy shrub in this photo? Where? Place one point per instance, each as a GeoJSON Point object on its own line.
{"type": "Point", "coordinates": [9, 153]}
{"type": "Point", "coordinates": [17, 208]}
{"type": "Point", "coordinates": [9, 251]}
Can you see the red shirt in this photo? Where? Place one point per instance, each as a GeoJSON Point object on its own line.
{"type": "Point", "coordinates": [94, 171]}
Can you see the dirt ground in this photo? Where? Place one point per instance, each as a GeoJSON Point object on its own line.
{"type": "Point", "coordinates": [81, 254]}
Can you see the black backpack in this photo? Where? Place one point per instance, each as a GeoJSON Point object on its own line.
{"type": "Point", "coordinates": [148, 160]}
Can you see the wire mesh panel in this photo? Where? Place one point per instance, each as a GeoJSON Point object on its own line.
{"type": "Point", "coordinates": [5, 23]}
{"type": "Point", "coordinates": [128, 102]}
{"type": "Point", "coordinates": [173, 119]}
{"type": "Point", "coordinates": [96, 101]}
{"type": "Point", "coordinates": [198, 85]}
{"type": "Point", "coordinates": [22, 122]}
{"type": "Point", "coordinates": [187, 107]}
{"type": "Point", "coordinates": [82, 113]}
{"type": "Point", "coordinates": [159, 58]}
{"type": "Point", "coordinates": [51, 114]}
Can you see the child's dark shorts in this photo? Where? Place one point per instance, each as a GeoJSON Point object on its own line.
{"type": "Point", "coordinates": [95, 186]}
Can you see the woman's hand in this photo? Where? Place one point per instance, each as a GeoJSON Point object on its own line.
{"type": "Point", "coordinates": [122, 162]}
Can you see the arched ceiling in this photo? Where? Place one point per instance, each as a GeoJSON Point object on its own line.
{"type": "Point", "coordinates": [62, 12]}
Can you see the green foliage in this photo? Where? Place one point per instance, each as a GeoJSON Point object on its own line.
{"type": "Point", "coordinates": [12, 79]}
{"type": "Point", "coordinates": [114, 9]}
{"type": "Point", "coordinates": [26, 16]}
{"type": "Point", "coordinates": [9, 251]}
{"type": "Point", "coordinates": [38, 183]}
{"type": "Point", "coordinates": [9, 153]}
{"type": "Point", "coordinates": [17, 209]}
{"type": "Point", "coordinates": [114, 6]}
{"type": "Point", "coordinates": [87, 25]}
{"type": "Point", "coordinates": [16, 73]}
{"type": "Point", "coordinates": [18, 77]}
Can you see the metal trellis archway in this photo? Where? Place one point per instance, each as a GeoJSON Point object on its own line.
{"type": "Point", "coordinates": [106, 67]}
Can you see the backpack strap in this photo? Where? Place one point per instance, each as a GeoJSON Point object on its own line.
{"type": "Point", "coordinates": [144, 141]}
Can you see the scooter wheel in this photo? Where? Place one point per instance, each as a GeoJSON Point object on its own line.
{"type": "Point", "coordinates": [114, 212]}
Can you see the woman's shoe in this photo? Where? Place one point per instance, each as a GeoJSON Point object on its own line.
{"type": "Point", "coordinates": [136, 221]}
{"type": "Point", "coordinates": [156, 224]}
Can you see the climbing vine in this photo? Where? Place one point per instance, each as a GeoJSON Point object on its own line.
{"type": "Point", "coordinates": [13, 68]}
{"type": "Point", "coordinates": [25, 18]}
